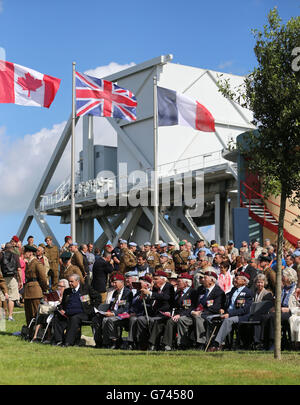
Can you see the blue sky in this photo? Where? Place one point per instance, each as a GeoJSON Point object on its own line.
{"type": "Point", "coordinates": [48, 35]}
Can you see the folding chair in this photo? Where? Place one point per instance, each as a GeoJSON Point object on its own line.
{"type": "Point", "coordinates": [257, 309]}
{"type": "Point", "coordinates": [215, 321]}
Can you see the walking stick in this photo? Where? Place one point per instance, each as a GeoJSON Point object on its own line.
{"type": "Point", "coordinates": [146, 313]}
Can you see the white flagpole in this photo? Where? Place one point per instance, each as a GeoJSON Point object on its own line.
{"type": "Point", "coordinates": [73, 213]}
{"type": "Point", "coordinates": [156, 197]}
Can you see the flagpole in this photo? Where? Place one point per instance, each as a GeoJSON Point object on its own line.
{"type": "Point", "coordinates": [156, 197]}
{"type": "Point", "coordinates": [73, 213]}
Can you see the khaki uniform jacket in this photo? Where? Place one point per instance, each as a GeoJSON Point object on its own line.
{"type": "Point", "coordinates": [35, 289]}
{"type": "Point", "coordinates": [72, 269]}
{"type": "Point", "coordinates": [127, 260]}
{"type": "Point", "coordinates": [46, 264]}
{"type": "Point", "coordinates": [180, 259]}
{"type": "Point", "coordinates": [169, 265]}
{"type": "Point", "coordinates": [52, 254]}
{"type": "Point", "coordinates": [152, 259]}
{"type": "Point", "coordinates": [77, 260]}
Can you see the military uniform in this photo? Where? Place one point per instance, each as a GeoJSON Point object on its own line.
{"type": "Point", "coordinates": [127, 261]}
{"type": "Point", "coordinates": [152, 259]}
{"type": "Point", "coordinates": [180, 258]}
{"type": "Point", "coordinates": [66, 272]}
{"type": "Point", "coordinates": [35, 285]}
{"type": "Point", "coordinates": [168, 266]}
{"type": "Point", "coordinates": [52, 254]}
{"type": "Point", "coordinates": [77, 260]}
{"type": "Point", "coordinates": [45, 262]}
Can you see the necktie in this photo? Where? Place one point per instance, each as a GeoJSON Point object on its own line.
{"type": "Point", "coordinates": [203, 299]}
{"type": "Point", "coordinates": [73, 291]}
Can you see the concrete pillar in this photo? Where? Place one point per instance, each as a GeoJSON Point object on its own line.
{"type": "Point", "coordinates": [88, 171]}
{"type": "Point", "coordinates": [217, 218]}
{"type": "Point", "coordinates": [226, 221]}
{"type": "Point", "coordinates": [85, 230]}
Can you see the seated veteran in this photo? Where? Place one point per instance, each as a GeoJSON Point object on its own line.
{"type": "Point", "coordinates": [210, 299]}
{"type": "Point", "coordinates": [161, 301]}
{"type": "Point", "coordinates": [105, 323]}
{"type": "Point", "coordinates": [185, 300]}
{"type": "Point", "coordinates": [237, 309]}
{"type": "Point", "coordinates": [78, 304]}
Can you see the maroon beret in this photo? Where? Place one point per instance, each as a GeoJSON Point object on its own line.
{"type": "Point", "coordinates": [243, 274]}
{"type": "Point", "coordinates": [185, 275]}
{"type": "Point", "coordinates": [117, 276]}
{"type": "Point", "coordinates": [147, 279]}
{"type": "Point", "coordinates": [211, 274]}
{"type": "Point", "coordinates": [160, 273]}
{"type": "Point", "coordinates": [15, 238]}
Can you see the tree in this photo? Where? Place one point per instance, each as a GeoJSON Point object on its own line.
{"type": "Point", "coordinates": [272, 92]}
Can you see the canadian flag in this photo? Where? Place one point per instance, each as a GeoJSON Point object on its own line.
{"type": "Point", "coordinates": [21, 85]}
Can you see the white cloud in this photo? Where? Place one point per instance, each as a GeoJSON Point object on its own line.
{"type": "Point", "coordinates": [24, 160]}
{"type": "Point", "coordinates": [225, 65]}
{"type": "Point", "coordinates": [103, 71]}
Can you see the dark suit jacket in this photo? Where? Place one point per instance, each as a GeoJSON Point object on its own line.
{"type": "Point", "coordinates": [252, 273]}
{"type": "Point", "coordinates": [183, 304]}
{"type": "Point", "coordinates": [161, 301]}
{"type": "Point", "coordinates": [89, 298]}
{"type": "Point", "coordinates": [101, 269]}
{"type": "Point", "coordinates": [137, 305]}
{"type": "Point", "coordinates": [214, 301]}
{"type": "Point", "coordinates": [242, 304]}
{"type": "Point", "coordinates": [125, 301]}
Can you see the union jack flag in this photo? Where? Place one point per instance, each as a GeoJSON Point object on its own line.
{"type": "Point", "coordinates": [103, 98]}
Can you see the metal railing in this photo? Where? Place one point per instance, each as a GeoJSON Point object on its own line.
{"type": "Point", "coordinates": [88, 189]}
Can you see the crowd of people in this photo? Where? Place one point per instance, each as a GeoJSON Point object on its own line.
{"type": "Point", "coordinates": [167, 296]}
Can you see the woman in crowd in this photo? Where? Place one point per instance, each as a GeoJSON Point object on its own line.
{"type": "Point", "coordinates": [288, 303]}
{"type": "Point", "coordinates": [225, 277]}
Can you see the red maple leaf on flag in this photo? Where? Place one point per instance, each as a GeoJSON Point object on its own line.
{"type": "Point", "coordinates": [29, 83]}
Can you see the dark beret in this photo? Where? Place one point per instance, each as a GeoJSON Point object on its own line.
{"type": "Point", "coordinates": [30, 249]}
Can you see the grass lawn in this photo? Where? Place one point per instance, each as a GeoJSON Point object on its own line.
{"type": "Point", "coordinates": [29, 363]}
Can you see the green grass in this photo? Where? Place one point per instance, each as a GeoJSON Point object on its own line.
{"type": "Point", "coordinates": [28, 363]}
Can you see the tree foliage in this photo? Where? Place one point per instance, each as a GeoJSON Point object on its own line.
{"type": "Point", "coordinates": [272, 92]}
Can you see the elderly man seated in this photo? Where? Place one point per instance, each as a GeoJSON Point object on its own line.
{"type": "Point", "coordinates": [185, 299]}
{"type": "Point", "coordinates": [77, 305]}
{"type": "Point", "coordinates": [160, 300]}
{"type": "Point", "coordinates": [105, 323]}
{"type": "Point", "coordinates": [237, 309]}
{"type": "Point", "coordinates": [210, 299]}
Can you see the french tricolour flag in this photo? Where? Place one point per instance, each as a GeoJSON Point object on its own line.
{"type": "Point", "coordinates": [177, 109]}
{"type": "Point", "coordinates": [21, 85]}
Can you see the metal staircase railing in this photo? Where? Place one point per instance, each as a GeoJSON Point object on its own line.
{"type": "Point", "coordinates": [255, 202]}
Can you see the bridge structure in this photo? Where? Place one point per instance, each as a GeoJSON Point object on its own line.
{"type": "Point", "coordinates": [184, 155]}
